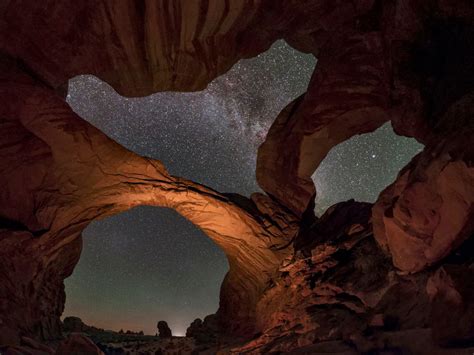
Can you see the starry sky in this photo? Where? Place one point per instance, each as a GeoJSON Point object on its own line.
{"type": "Point", "coordinates": [151, 264]}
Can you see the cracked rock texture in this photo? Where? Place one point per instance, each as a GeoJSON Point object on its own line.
{"type": "Point", "coordinates": [360, 278]}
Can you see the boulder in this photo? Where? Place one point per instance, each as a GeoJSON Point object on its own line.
{"type": "Point", "coordinates": [164, 330]}
{"type": "Point", "coordinates": [78, 344]}
{"type": "Point", "coordinates": [204, 332]}
{"type": "Point", "coordinates": [451, 292]}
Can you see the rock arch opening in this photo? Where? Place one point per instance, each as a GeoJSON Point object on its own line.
{"type": "Point", "coordinates": [361, 167]}
{"type": "Point", "coordinates": [209, 136]}
{"type": "Point", "coordinates": [145, 265]}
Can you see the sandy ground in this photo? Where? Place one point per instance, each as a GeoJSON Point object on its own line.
{"type": "Point", "coordinates": [173, 346]}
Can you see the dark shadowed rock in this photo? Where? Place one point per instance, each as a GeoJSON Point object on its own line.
{"type": "Point", "coordinates": [78, 344]}
{"type": "Point", "coordinates": [163, 330]}
{"type": "Point", "coordinates": [74, 325]}
{"type": "Point", "coordinates": [204, 332]}
{"type": "Point", "coordinates": [451, 291]}
{"type": "Point", "coordinates": [27, 346]}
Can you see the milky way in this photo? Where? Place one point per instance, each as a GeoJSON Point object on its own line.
{"type": "Point", "coordinates": [149, 263]}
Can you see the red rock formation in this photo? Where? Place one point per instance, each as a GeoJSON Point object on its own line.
{"type": "Point", "coordinates": [375, 63]}
{"type": "Point", "coordinates": [29, 346]}
{"type": "Point", "coordinates": [163, 329]}
{"type": "Point", "coordinates": [451, 293]}
{"type": "Point", "coordinates": [347, 95]}
{"type": "Point", "coordinates": [76, 325]}
{"type": "Point", "coordinates": [78, 344]}
{"type": "Point", "coordinates": [204, 331]}
{"type": "Point", "coordinates": [428, 212]}
{"type": "Point", "coordinates": [143, 48]}
{"type": "Point", "coordinates": [137, 48]}
{"type": "Point", "coordinates": [79, 175]}
{"type": "Point", "coordinates": [405, 61]}
{"type": "Point", "coordinates": [339, 291]}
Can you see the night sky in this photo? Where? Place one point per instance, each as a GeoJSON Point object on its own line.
{"type": "Point", "coordinates": [151, 264]}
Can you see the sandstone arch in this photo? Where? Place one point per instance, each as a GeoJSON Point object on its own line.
{"type": "Point", "coordinates": [58, 172]}
{"type": "Point", "coordinates": [88, 176]}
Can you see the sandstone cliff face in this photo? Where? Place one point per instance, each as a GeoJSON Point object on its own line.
{"type": "Point", "coordinates": [138, 48]}
{"type": "Point", "coordinates": [293, 279]}
{"type": "Point", "coordinates": [428, 211]}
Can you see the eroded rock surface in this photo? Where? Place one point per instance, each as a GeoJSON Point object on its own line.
{"type": "Point", "coordinates": [137, 48]}
{"type": "Point", "coordinates": [85, 176]}
{"type": "Point", "coordinates": [348, 95]}
{"type": "Point", "coordinates": [428, 212]}
{"type": "Point", "coordinates": [340, 294]}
